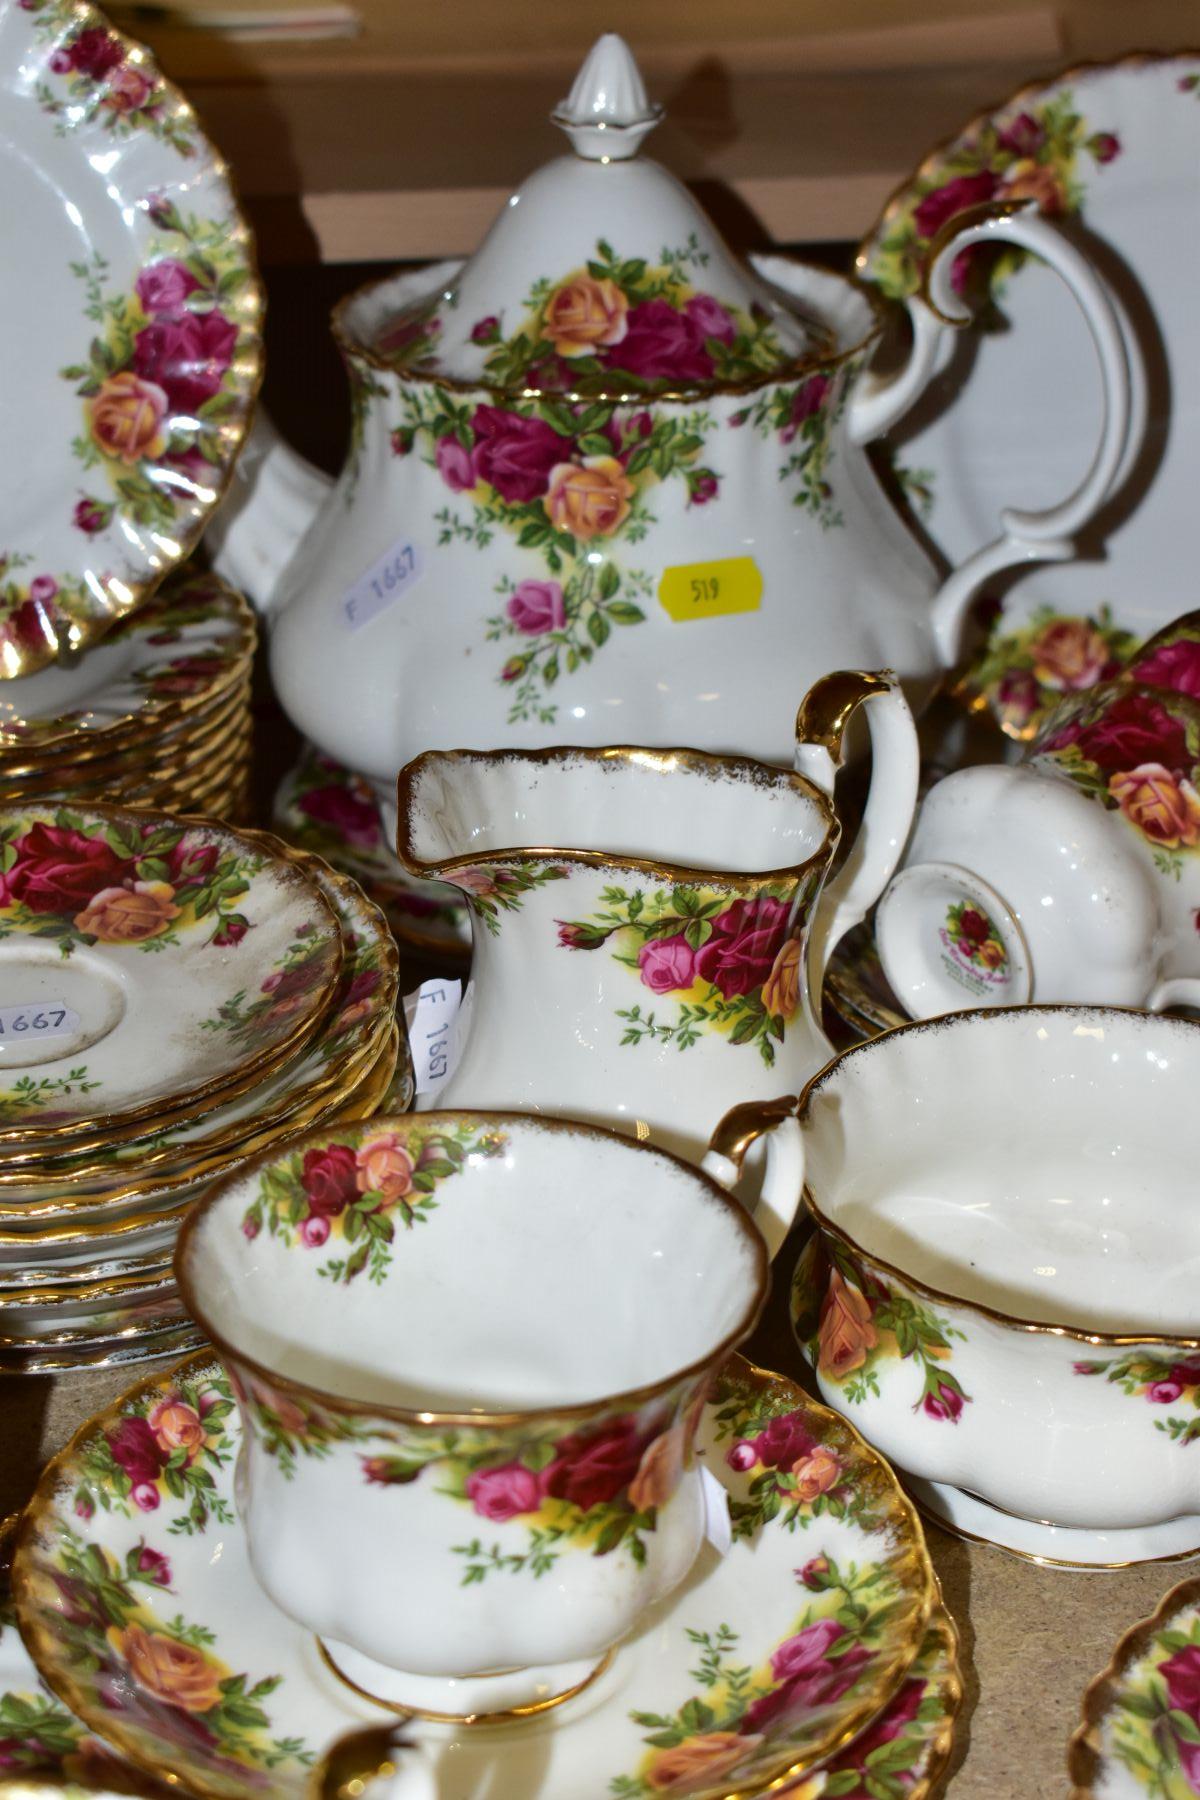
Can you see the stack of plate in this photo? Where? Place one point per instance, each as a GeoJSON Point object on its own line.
{"type": "Point", "coordinates": [177, 997]}
{"type": "Point", "coordinates": [324, 807]}
{"type": "Point", "coordinates": [158, 715]}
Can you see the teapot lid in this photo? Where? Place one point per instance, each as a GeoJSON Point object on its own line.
{"type": "Point", "coordinates": [602, 276]}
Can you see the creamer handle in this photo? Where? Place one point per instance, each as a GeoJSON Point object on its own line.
{"type": "Point", "coordinates": [936, 312]}
{"type": "Point", "coordinates": [783, 1183]}
{"type": "Point", "coordinates": [821, 723]}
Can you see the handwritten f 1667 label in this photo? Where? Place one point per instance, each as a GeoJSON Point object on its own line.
{"type": "Point", "coordinates": [708, 590]}
{"type": "Point", "coordinates": [41, 1019]}
{"type": "Point", "coordinates": [387, 581]}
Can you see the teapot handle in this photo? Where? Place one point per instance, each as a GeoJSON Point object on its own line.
{"type": "Point", "coordinates": [937, 312]}
{"type": "Point", "coordinates": [783, 1184]}
{"type": "Point", "coordinates": [825, 712]}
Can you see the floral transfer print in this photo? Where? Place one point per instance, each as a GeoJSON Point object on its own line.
{"type": "Point", "coordinates": [973, 945]}
{"type": "Point", "coordinates": [157, 1676]}
{"type": "Point", "coordinates": [1039, 149]}
{"type": "Point", "coordinates": [851, 1323]}
{"type": "Point", "coordinates": [356, 1189]}
{"type": "Point", "coordinates": [1025, 670]}
{"type": "Point", "coordinates": [300, 971]}
{"type": "Point", "coordinates": [732, 967]}
{"type": "Point", "coordinates": [99, 74]}
{"type": "Point", "coordinates": [117, 882]}
{"type": "Point", "coordinates": [619, 321]}
{"type": "Point", "coordinates": [793, 1474]}
{"type": "Point", "coordinates": [159, 375]}
{"type": "Point", "coordinates": [164, 1453]}
{"type": "Point", "coordinates": [1160, 1382]}
{"type": "Point", "coordinates": [492, 888]}
{"type": "Point", "coordinates": [1136, 750]}
{"type": "Point", "coordinates": [1153, 1724]}
{"type": "Point", "coordinates": [802, 417]}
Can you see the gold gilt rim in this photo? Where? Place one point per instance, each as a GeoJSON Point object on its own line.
{"type": "Point", "coordinates": [953, 1529]}
{"type": "Point", "coordinates": [177, 793]}
{"type": "Point", "coordinates": [1085, 1759]}
{"type": "Point", "coordinates": [124, 1350]}
{"type": "Point", "coordinates": [334, 1081]}
{"type": "Point", "coordinates": [37, 1531]}
{"type": "Point", "coordinates": [795, 369]}
{"type": "Point", "coordinates": [482, 1119]}
{"type": "Point", "coordinates": [262, 1063]}
{"type": "Point", "coordinates": [101, 1328]}
{"type": "Point", "coordinates": [911, 1027]}
{"type": "Point", "coordinates": [170, 711]}
{"type": "Point", "coordinates": [165, 760]}
{"type": "Point", "coordinates": [248, 364]}
{"type": "Point", "coordinates": [357, 1103]}
{"type": "Point", "coordinates": [158, 737]}
{"type": "Point", "coordinates": [1027, 92]}
{"type": "Point", "coordinates": [699, 762]}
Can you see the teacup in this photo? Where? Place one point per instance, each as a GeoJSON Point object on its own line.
{"type": "Point", "coordinates": [470, 1351]}
{"type": "Point", "coordinates": [1004, 1300]}
{"type": "Point", "coordinates": [1018, 885]}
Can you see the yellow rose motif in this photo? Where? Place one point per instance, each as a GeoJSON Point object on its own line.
{"type": "Point", "coordinates": [589, 499]}
{"type": "Point", "coordinates": [129, 915]}
{"type": "Point", "coordinates": [585, 314]}
{"type": "Point", "coordinates": [816, 1473]}
{"type": "Point", "coordinates": [1164, 808]}
{"type": "Point", "coordinates": [846, 1332]}
{"type": "Point", "coordinates": [180, 1674]}
{"type": "Point", "coordinates": [1069, 653]}
{"type": "Point", "coordinates": [126, 418]}
{"type": "Point", "coordinates": [1030, 180]}
{"type": "Point", "coordinates": [699, 1760]}
{"type": "Point", "coordinates": [781, 989]}
{"type": "Point", "coordinates": [660, 1469]}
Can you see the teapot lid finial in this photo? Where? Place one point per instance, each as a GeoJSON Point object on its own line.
{"type": "Point", "coordinates": [607, 113]}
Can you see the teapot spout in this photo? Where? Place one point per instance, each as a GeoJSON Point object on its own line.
{"type": "Point", "coordinates": [274, 498]}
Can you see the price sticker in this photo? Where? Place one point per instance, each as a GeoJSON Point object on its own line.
{"type": "Point", "coordinates": [387, 581]}
{"type": "Point", "coordinates": [42, 1019]}
{"type": "Point", "coordinates": [709, 590]}
{"type": "Point", "coordinates": [432, 1016]}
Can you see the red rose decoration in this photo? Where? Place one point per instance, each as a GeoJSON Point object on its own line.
{"type": "Point", "coordinates": [745, 941]}
{"type": "Point", "coordinates": [1134, 729]}
{"type": "Point", "coordinates": [1174, 666]}
{"type": "Point", "coordinates": [784, 1441]}
{"type": "Point", "coordinates": [343, 811]}
{"type": "Point", "coordinates": [661, 344]}
{"type": "Point", "coordinates": [186, 357]}
{"type": "Point", "coordinates": [58, 871]}
{"type": "Point", "coordinates": [954, 197]}
{"type": "Point", "coordinates": [1181, 1673]}
{"type": "Point", "coordinates": [136, 1450]}
{"type": "Point", "coordinates": [515, 454]}
{"type": "Point", "coordinates": [593, 1467]}
{"type": "Point", "coordinates": [95, 52]}
{"type": "Point", "coordinates": [329, 1180]}
{"type": "Point", "coordinates": [191, 862]}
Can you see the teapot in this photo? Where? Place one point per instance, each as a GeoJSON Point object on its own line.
{"type": "Point", "coordinates": [607, 482]}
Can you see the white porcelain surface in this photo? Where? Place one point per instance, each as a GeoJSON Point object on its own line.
{"type": "Point", "coordinates": [647, 924]}
{"type": "Point", "coordinates": [611, 484]}
{"type": "Point", "coordinates": [349, 1284]}
{"type": "Point", "coordinates": [1122, 171]}
{"type": "Point", "coordinates": [132, 351]}
{"type": "Point", "coordinates": [1010, 1304]}
{"type": "Point", "coordinates": [743, 1687]}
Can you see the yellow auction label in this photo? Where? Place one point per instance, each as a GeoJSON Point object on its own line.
{"type": "Point", "coordinates": [709, 589]}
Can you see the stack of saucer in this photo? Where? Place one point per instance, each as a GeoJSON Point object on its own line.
{"type": "Point", "coordinates": [157, 715]}
{"type": "Point", "coordinates": [182, 996]}
{"type": "Point", "coordinates": [324, 807]}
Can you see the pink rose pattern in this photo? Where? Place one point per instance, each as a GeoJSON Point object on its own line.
{"type": "Point", "coordinates": [1151, 1710]}
{"type": "Point", "coordinates": [1041, 149]}
{"type": "Point", "coordinates": [568, 472]}
{"type": "Point", "coordinates": [1159, 1381]}
{"type": "Point", "coordinates": [160, 1457]}
{"type": "Point", "coordinates": [732, 964]}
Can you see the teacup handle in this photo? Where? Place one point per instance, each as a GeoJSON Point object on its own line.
{"type": "Point", "coordinates": [821, 723]}
{"type": "Point", "coordinates": [783, 1184]}
{"type": "Point", "coordinates": [1182, 990]}
{"type": "Point", "coordinates": [376, 1760]}
{"type": "Point", "coordinates": [936, 312]}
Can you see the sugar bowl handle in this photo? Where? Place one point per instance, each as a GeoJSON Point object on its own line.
{"type": "Point", "coordinates": [936, 312]}
{"type": "Point", "coordinates": [783, 1183]}
{"type": "Point", "coordinates": [821, 723]}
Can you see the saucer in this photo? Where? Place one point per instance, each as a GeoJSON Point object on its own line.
{"type": "Point", "coordinates": [967, 1515]}
{"type": "Point", "coordinates": [137, 1601]}
{"type": "Point", "coordinates": [153, 963]}
{"type": "Point", "coordinates": [1139, 1738]}
{"type": "Point", "coordinates": [856, 988]}
{"type": "Point", "coordinates": [1111, 149]}
{"type": "Point", "coordinates": [133, 376]}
